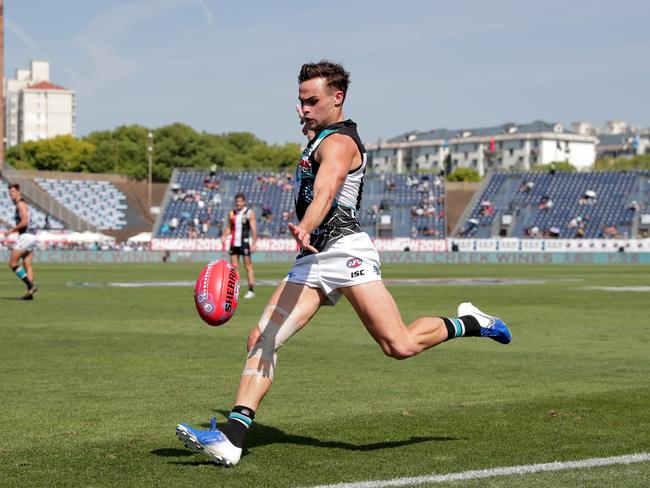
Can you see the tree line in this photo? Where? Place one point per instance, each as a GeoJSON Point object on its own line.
{"type": "Point", "coordinates": [124, 150]}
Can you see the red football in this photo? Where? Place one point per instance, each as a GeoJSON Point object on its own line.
{"type": "Point", "coordinates": [216, 292]}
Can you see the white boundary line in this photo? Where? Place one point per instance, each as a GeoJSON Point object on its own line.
{"type": "Point", "coordinates": [503, 471]}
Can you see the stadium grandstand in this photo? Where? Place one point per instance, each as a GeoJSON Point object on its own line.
{"type": "Point", "coordinates": [197, 203]}
{"type": "Point", "coordinates": [559, 205]}
{"type": "Point", "coordinates": [39, 219]}
{"type": "Point", "coordinates": [66, 202]}
{"type": "Point", "coordinates": [98, 202]}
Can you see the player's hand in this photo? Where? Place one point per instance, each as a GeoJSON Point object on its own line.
{"type": "Point", "coordinates": [305, 130]}
{"type": "Point", "coordinates": [302, 237]}
{"type": "Point", "coordinates": [253, 246]}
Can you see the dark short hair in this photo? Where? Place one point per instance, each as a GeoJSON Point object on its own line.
{"type": "Point", "coordinates": [335, 74]}
{"type": "Point", "coordinates": [15, 185]}
{"type": "Point", "coordinates": [240, 195]}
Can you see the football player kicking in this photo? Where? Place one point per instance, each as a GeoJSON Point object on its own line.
{"type": "Point", "coordinates": [337, 259]}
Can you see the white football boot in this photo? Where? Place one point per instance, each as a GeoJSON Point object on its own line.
{"type": "Point", "coordinates": [212, 443]}
{"type": "Point", "coordinates": [491, 327]}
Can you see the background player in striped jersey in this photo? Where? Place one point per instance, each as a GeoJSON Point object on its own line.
{"type": "Point", "coordinates": [242, 230]}
{"type": "Point", "coordinates": [24, 244]}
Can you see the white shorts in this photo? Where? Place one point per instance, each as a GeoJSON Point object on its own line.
{"type": "Point", "coordinates": [347, 261]}
{"type": "Point", "coordinates": [25, 242]}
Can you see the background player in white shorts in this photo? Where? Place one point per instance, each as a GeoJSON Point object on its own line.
{"type": "Point", "coordinates": [336, 259]}
{"type": "Point", "coordinates": [24, 244]}
{"type": "Point", "coordinates": [242, 230]}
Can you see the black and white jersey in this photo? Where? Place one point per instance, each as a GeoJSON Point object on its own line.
{"type": "Point", "coordinates": [17, 217]}
{"type": "Point", "coordinates": [341, 220]}
{"type": "Point", "coordinates": [240, 226]}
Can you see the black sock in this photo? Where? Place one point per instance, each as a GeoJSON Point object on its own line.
{"type": "Point", "coordinates": [465, 326]}
{"type": "Point", "coordinates": [239, 420]}
{"type": "Point", "coordinates": [22, 274]}
{"type": "Point", "coordinates": [250, 287]}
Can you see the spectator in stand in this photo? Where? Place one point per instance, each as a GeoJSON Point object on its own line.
{"type": "Point", "coordinates": [527, 187]}
{"type": "Point", "coordinates": [589, 198]}
{"type": "Point", "coordinates": [486, 210]}
{"type": "Point", "coordinates": [545, 203]}
{"type": "Point", "coordinates": [610, 232]}
{"type": "Point", "coordinates": [267, 214]}
{"type": "Point", "coordinates": [412, 181]}
{"type": "Point", "coordinates": [470, 227]}
{"type": "Point", "coordinates": [533, 231]}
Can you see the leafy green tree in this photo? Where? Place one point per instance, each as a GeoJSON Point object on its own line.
{"type": "Point", "coordinates": [124, 151]}
{"type": "Point", "coordinates": [556, 165]}
{"type": "Point", "coordinates": [621, 164]}
{"type": "Point", "coordinates": [464, 174]}
{"type": "Point", "coordinates": [61, 153]}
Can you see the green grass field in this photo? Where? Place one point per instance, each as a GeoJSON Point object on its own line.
{"type": "Point", "coordinates": [94, 380]}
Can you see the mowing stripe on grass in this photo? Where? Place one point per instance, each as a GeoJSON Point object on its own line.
{"type": "Point", "coordinates": [503, 471]}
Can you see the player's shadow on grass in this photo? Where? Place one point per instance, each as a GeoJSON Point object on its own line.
{"type": "Point", "coordinates": [263, 435]}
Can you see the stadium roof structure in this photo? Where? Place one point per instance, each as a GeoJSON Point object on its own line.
{"type": "Point", "coordinates": [615, 139]}
{"type": "Point", "coordinates": [536, 126]}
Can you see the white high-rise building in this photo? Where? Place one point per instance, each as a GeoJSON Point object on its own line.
{"type": "Point", "coordinates": [35, 108]}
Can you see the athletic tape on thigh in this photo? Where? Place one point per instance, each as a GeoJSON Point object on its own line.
{"type": "Point", "coordinates": [276, 326]}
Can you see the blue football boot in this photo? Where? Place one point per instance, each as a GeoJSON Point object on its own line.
{"type": "Point", "coordinates": [212, 443]}
{"type": "Point", "coordinates": [491, 327]}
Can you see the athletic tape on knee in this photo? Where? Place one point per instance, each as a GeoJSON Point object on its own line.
{"type": "Point", "coordinates": [276, 327]}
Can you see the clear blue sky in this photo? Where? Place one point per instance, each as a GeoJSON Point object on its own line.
{"type": "Point", "coordinates": [224, 66]}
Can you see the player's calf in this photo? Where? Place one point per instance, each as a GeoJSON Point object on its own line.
{"type": "Point", "coordinates": [22, 275]}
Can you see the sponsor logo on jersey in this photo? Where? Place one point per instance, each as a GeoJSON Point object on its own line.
{"type": "Point", "coordinates": [305, 162]}
{"type": "Point", "coordinates": [354, 263]}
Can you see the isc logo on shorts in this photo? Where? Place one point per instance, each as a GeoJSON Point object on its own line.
{"type": "Point", "coordinates": [354, 263]}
